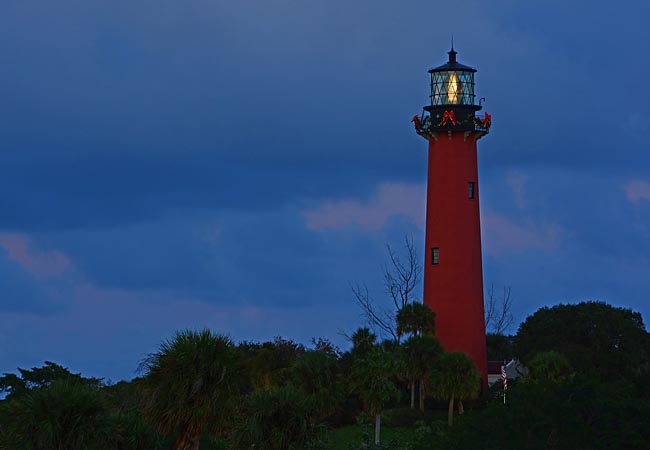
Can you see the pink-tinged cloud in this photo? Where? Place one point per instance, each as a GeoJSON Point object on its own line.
{"type": "Point", "coordinates": [517, 182]}
{"type": "Point", "coordinates": [49, 263]}
{"type": "Point", "coordinates": [390, 199]}
{"type": "Point", "coordinates": [637, 191]}
{"type": "Point", "coordinates": [501, 234]}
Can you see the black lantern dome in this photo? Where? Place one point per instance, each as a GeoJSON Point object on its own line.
{"type": "Point", "coordinates": [453, 102]}
{"type": "Point", "coordinates": [453, 84]}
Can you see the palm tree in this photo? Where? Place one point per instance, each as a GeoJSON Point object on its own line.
{"type": "Point", "coordinates": [316, 374]}
{"type": "Point", "coordinates": [126, 427]}
{"type": "Point", "coordinates": [419, 358]}
{"type": "Point", "coordinates": [363, 340]}
{"type": "Point", "coordinates": [129, 430]}
{"type": "Point", "coordinates": [407, 369]}
{"type": "Point", "coordinates": [277, 419]}
{"type": "Point", "coordinates": [65, 415]}
{"type": "Point", "coordinates": [416, 319]}
{"type": "Point", "coordinates": [372, 381]}
{"type": "Point", "coordinates": [192, 384]}
{"type": "Point", "coordinates": [455, 377]}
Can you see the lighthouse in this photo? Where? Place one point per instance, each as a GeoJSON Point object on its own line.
{"type": "Point", "coordinates": [453, 273]}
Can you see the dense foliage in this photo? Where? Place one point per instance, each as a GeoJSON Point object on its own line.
{"type": "Point", "coordinates": [64, 415]}
{"type": "Point", "coordinates": [455, 379]}
{"type": "Point", "coordinates": [588, 387]}
{"type": "Point", "coordinates": [192, 385]}
{"type": "Point", "coordinates": [573, 414]}
{"type": "Point", "coordinates": [598, 339]}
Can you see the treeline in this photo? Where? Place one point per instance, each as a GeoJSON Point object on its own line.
{"type": "Point", "coordinates": [588, 388]}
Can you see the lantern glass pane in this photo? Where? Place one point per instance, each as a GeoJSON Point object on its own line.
{"type": "Point", "coordinates": [452, 88]}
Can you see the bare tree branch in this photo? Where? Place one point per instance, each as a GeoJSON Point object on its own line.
{"type": "Point", "coordinates": [401, 277]}
{"type": "Point", "coordinates": [341, 332]}
{"type": "Point", "coordinates": [375, 318]}
{"type": "Point", "coordinates": [504, 320]}
{"type": "Point", "coordinates": [498, 315]}
{"type": "Point", "coordinates": [490, 308]}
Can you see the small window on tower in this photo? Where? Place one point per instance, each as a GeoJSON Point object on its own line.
{"type": "Point", "coordinates": [470, 190]}
{"type": "Point", "coordinates": [435, 256]}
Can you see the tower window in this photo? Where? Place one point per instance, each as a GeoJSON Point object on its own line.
{"type": "Point", "coordinates": [470, 190]}
{"type": "Point", "coordinates": [435, 255]}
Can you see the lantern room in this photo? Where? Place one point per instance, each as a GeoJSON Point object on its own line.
{"type": "Point", "coordinates": [453, 102]}
{"type": "Point", "coordinates": [452, 83]}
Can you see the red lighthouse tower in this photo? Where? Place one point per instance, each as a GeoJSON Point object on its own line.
{"type": "Point", "coordinates": [453, 274]}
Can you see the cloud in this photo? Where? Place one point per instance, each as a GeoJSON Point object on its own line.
{"type": "Point", "coordinates": [637, 191]}
{"type": "Point", "coordinates": [256, 258]}
{"type": "Point", "coordinates": [25, 294]}
{"type": "Point", "coordinates": [502, 234]}
{"type": "Point", "coordinates": [390, 199]}
{"type": "Point", "coordinates": [42, 264]}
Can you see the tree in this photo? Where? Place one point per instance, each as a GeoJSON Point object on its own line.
{"type": "Point", "coordinates": [371, 379]}
{"type": "Point", "coordinates": [267, 363]}
{"type": "Point", "coordinates": [278, 419]}
{"type": "Point", "coordinates": [575, 413]}
{"type": "Point", "coordinates": [456, 377]}
{"type": "Point", "coordinates": [315, 373]}
{"type": "Point", "coordinates": [401, 278]}
{"type": "Point", "coordinates": [37, 377]}
{"type": "Point", "coordinates": [416, 319]}
{"type": "Point", "coordinates": [498, 315]}
{"type": "Point", "coordinates": [419, 358]}
{"type": "Point", "coordinates": [64, 415]}
{"type": "Point", "coordinates": [127, 428]}
{"type": "Point", "coordinates": [363, 340]}
{"type": "Point", "coordinates": [499, 347]}
{"type": "Point", "coordinates": [192, 384]}
{"type": "Point", "coordinates": [597, 339]}
{"type": "Point", "coordinates": [549, 366]}
{"type": "Point", "coordinates": [324, 345]}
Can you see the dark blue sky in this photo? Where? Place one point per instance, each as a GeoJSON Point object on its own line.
{"type": "Point", "coordinates": [237, 165]}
